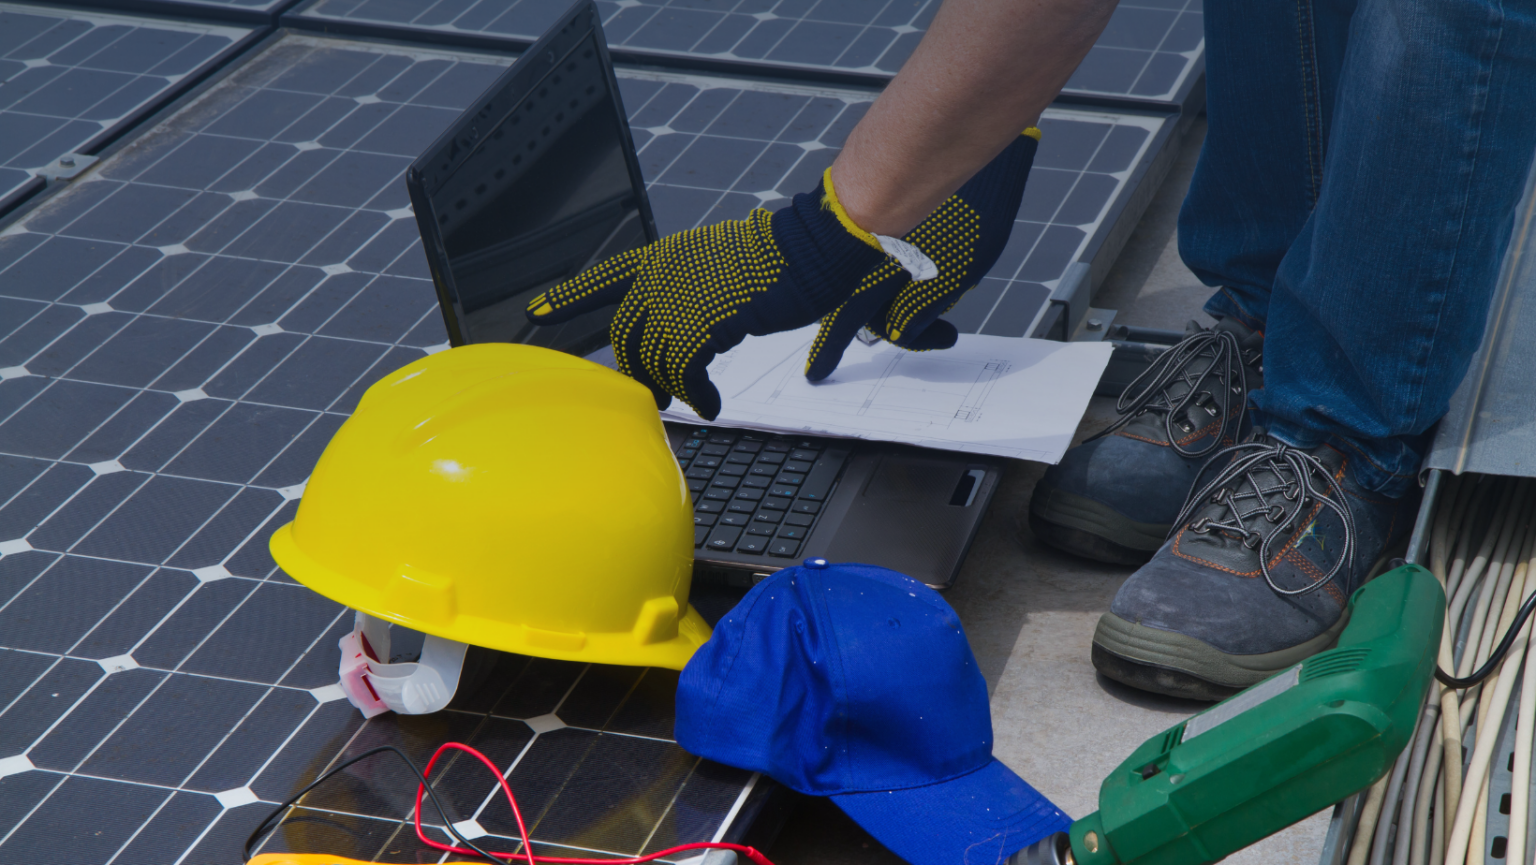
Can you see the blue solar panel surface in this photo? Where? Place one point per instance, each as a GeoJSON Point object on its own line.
{"type": "Point", "coordinates": [1148, 50]}
{"type": "Point", "coordinates": [196, 6]}
{"type": "Point", "coordinates": [72, 79]}
{"type": "Point", "coordinates": [181, 333]}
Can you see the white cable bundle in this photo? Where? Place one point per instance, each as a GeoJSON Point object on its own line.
{"type": "Point", "coordinates": [1431, 809]}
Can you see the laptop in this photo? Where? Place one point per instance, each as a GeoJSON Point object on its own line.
{"type": "Point", "coordinates": [537, 181]}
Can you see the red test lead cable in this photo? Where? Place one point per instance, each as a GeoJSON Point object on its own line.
{"type": "Point", "coordinates": [522, 829]}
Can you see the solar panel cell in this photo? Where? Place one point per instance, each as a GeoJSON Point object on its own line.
{"type": "Point", "coordinates": [172, 829]}
{"type": "Point", "coordinates": [94, 502]}
{"type": "Point", "coordinates": [192, 712]}
{"type": "Point", "coordinates": [118, 433]}
{"type": "Point", "coordinates": [43, 492]}
{"type": "Point", "coordinates": [121, 809]}
{"type": "Point", "coordinates": [117, 634]}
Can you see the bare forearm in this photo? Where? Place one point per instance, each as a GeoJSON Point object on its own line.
{"type": "Point", "coordinates": [984, 71]}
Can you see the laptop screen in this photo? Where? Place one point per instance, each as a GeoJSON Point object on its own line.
{"type": "Point", "coordinates": [532, 185]}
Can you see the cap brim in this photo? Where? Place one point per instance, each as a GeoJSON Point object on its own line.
{"type": "Point", "coordinates": [980, 818]}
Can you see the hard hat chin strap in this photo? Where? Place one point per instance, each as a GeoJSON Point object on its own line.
{"type": "Point", "coordinates": [375, 686]}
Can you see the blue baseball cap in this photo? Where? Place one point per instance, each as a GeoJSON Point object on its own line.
{"type": "Point", "coordinates": [856, 682]}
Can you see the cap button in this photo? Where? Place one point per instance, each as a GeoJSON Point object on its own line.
{"type": "Point", "coordinates": [815, 563]}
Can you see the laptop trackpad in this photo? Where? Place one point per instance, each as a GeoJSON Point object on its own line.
{"type": "Point", "coordinates": [915, 515]}
{"type": "Point", "coordinates": [907, 479]}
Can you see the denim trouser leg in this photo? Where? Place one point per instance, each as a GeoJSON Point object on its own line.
{"type": "Point", "coordinates": [1271, 70]}
{"type": "Point", "coordinates": [1391, 141]}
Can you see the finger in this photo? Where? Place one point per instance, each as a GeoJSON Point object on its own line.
{"type": "Point", "coordinates": [594, 288]}
{"type": "Point", "coordinates": [832, 339]}
{"type": "Point", "coordinates": [625, 332]}
{"type": "Point", "coordinates": [938, 334]}
{"type": "Point", "coordinates": [698, 391]}
{"type": "Point", "coordinates": [918, 307]}
{"type": "Point", "coordinates": [840, 326]}
{"type": "Point", "coordinates": [663, 399]}
{"type": "Point", "coordinates": [948, 237]}
{"type": "Point", "coordinates": [687, 360]}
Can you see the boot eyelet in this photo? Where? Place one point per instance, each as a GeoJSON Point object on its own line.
{"type": "Point", "coordinates": [1200, 526]}
{"type": "Point", "coordinates": [1276, 514]}
{"type": "Point", "coordinates": [1252, 541]}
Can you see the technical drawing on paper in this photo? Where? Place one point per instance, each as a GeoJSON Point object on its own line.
{"type": "Point", "coordinates": [927, 389]}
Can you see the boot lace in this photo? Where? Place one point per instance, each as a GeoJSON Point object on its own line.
{"type": "Point", "coordinates": [1267, 488]}
{"type": "Point", "coordinates": [1149, 391]}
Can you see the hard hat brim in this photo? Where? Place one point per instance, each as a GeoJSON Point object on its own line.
{"type": "Point", "coordinates": [621, 648]}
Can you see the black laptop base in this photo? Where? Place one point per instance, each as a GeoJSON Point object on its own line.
{"type": "Point", "coordinates": [763, 502]}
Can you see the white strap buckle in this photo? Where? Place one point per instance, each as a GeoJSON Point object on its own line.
{"type": "Point", "coordinates": [375, 686]}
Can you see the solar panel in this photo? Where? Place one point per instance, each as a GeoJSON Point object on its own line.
{"type": "Point", "coordinates": [1150, 50]}
{"type": "Point", "coordinates": [181, 332]}
{"type": "Point", "coordinates": [71, 80]}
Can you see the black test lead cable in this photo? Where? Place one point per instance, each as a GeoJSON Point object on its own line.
{"type": "Point", "coordinates": [274, 817]}
{"type": "Point", "coordinates": [1496, 657]}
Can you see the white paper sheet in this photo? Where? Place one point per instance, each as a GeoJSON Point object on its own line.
{"type": "Point", "coordinates": [996, 395]}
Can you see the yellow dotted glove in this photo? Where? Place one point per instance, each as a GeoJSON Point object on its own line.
{"type": "Point", "coordinates": [690, 296]}
{"type": "Point", "coordinates": [963, 237]}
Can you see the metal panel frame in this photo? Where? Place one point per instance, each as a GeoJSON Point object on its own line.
{"type": "Point", "coordinates": [189, 9]}
{"type": "Point", "coordinates": [1189, 98]}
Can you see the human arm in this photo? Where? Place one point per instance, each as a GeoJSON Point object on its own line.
{"type": "Point", "coordinates": [985, 70]}
{"type": "Point", "coordinates": [691, 296]}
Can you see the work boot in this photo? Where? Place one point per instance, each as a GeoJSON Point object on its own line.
{"type": "Point", "coordinates": [1257, 577]}
{"type": "Point", "coordinates": [1113, 497]}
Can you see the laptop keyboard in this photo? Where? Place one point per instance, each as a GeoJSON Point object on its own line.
{"type": "Point", "coordinates": [757, 494]}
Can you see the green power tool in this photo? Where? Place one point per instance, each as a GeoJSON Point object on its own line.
{"type": "Point", "coordinates": [1276, 753]}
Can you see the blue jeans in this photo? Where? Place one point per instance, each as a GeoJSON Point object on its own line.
{"type": "Point", "coordinates": [1353, 200]}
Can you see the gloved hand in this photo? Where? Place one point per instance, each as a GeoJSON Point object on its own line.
{"type": "Point", "coordinates": [963, 237]}
{"type": "Point", "coordinates": [689, 296]}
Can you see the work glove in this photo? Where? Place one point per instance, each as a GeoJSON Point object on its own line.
{"type": "Point", "coordinates": [690, 296]}
{"type": "Point", "coordinates": [963, 238]}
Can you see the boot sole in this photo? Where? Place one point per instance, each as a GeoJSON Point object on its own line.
{"type": "Point", "coordinates": [1168, 663]}
{"type": "Point", "coordinates": [1165, 662]}
{"type": "Point", "coordinates": [1084, 527]}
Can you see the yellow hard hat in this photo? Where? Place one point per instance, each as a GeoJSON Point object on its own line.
{"type": "Point", "coordinates": [510, 497]}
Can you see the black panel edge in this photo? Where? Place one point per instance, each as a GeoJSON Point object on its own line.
{"type": "Point", "coordinates": [20, 195]}
{"type": "Point", "coordinates": [751, 69]}
{"type": "Point", "coordinates": [766, 809]}
{"type": "Point", "coordinates": [183, 11]}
